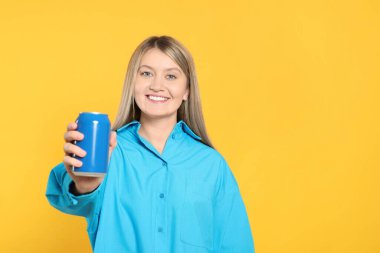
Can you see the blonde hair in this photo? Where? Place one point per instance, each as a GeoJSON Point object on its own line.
{"type": "Point", "coordinates": [190, 110]}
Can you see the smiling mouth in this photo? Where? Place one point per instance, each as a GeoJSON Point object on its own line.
{"type": "Point", "coordinates": [157, 98]}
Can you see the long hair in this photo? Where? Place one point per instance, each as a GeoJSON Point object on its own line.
{"type": "Point", "coordinates": [190, 110]}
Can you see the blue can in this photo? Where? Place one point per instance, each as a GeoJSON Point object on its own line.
{"type": "Point", "coordinates": [96, 128]}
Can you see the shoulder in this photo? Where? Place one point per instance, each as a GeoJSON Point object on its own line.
{"type": "Point", "coordinates": [203, 151]}
{"type": "Point", "coordinates": [125, 133]}
{"type": "Point", "coordinates": [217, 170]}
{"type": "Point", "coordinates": [213, 158]}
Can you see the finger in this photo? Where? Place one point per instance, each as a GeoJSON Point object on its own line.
{"type": "Point", "coordinates": [72, 161]}
{"type": "Point", "coordinates": [72, 126]}
{"type": "Point", "coordinates": [70, 148]}
{"type": "Point", "coordinates": [69, 170]}
{"type": "Point", "coordinates": [73, 136]}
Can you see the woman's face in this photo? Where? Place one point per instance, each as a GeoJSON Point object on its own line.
{"type": "Point", "coordinates": [160, 85]}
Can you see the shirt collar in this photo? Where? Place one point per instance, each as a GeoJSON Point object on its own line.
{"type": "Point", "coordinates": [126, 126]}
{"type": "Point", "coordinates": [180, 128]}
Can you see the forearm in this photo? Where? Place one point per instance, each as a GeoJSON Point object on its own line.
{"type": "Point", "coordinates": [63, 195]}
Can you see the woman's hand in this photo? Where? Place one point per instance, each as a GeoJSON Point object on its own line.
{"type": "Point", "coordinates": [82, 184]}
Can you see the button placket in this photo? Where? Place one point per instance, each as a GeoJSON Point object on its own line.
{"type": "Point", "coordinates": [161, 216]}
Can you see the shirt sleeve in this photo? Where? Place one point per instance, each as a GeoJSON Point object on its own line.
{"type": "Point", "coordinates": [59, 195]}
{"type": "Point", "coordinates": [233, 232]}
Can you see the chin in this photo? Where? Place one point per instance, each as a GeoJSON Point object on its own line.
{"type": "Point", "coordinates": [158, 115]}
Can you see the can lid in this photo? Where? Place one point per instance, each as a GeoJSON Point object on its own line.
{"type": "Point", "coordinates": [92, 113]}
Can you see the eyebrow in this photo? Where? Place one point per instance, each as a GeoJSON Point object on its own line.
{"type": "Point", "coordinates": [149, 67]}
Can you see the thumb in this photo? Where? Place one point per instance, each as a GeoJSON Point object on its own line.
{"type": "Point", "coordinates": [113, 139]}
{"type": "Point", "coordinates": [112, 144]}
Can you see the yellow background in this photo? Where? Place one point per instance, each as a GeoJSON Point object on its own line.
{"type": "Point", "coordinates": [290, 92]}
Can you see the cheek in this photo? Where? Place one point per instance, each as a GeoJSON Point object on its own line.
{"type": "Point", "coordinates": [137, 93]}
{"type": "Point", "coordinates": [179, 89]}
{"type": "Point", "coordinates": [138, 88]}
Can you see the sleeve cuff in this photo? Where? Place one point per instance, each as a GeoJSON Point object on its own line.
{"type": "Point", "coordinates": [67, 181]}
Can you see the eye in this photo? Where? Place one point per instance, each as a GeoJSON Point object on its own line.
{"type": "Point", "coordinates": [145, 74]}
{"type": "Point", "coordinates": [171, 77]}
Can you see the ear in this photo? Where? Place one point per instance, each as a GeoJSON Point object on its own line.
{"type": "Point", "coordinates": [186, 95]}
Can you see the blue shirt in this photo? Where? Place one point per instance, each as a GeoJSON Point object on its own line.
{"type": "Point", "coordinates": [183, 200]}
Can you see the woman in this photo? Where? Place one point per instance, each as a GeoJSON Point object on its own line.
{"type": "Point", "coordinates": [167, 188]}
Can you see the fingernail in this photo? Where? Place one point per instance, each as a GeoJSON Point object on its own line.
{"type": "Point", "coordinates": [79, 163]}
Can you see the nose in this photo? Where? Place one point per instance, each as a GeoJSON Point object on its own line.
{"type": "Point", "coordinates": [156, 84]}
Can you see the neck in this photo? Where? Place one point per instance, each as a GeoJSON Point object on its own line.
{"type": "Point", "coordinates": [156, 130]}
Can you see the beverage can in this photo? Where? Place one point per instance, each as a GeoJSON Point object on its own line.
{"type": "Point", "coordinates": [96, 128]}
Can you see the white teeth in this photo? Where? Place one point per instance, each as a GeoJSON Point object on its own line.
{"type": "Point", "coordinates": [157, 98]}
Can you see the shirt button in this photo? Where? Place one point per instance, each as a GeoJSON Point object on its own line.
{"type": "Point", "coordinates": [164, 164]}
{"type": "Point", "coordinates": [173, 136]}
{"type": "Point", "coordinates": [160, 229]}
{"type": "Point", "coordinates": [162, 195]}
